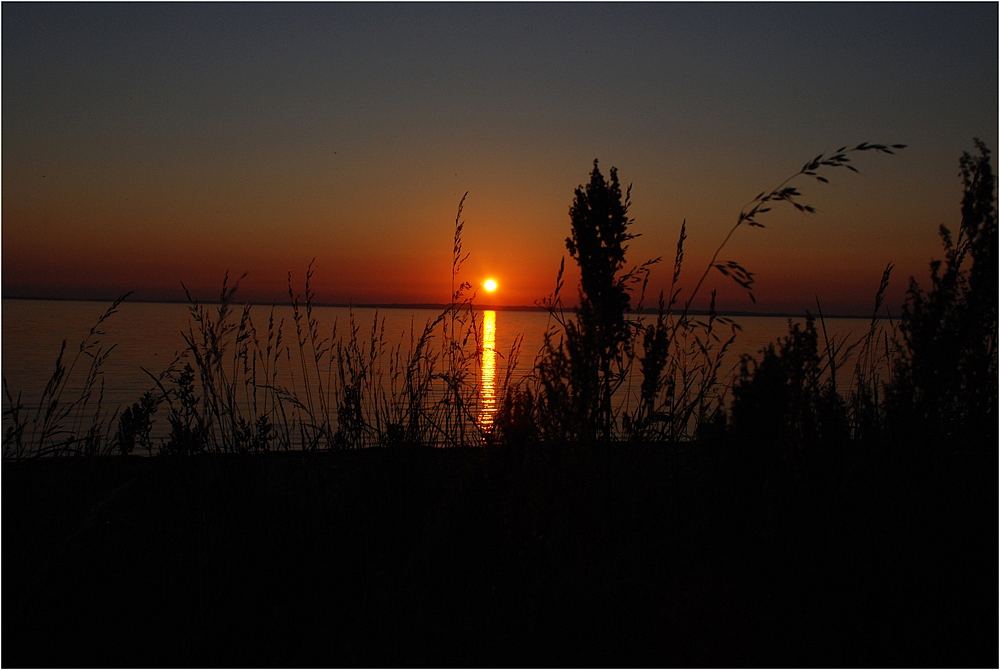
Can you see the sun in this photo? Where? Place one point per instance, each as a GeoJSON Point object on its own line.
{"type": "Point", "coordinates": [490, 285]}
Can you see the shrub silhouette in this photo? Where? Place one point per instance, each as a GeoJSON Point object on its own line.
{"type": "Point", "coordinates": [783, 401]}
{"type": "Point", "coordinates": [188, 434]}
{"type": "Point", "coordinates": [945, 381]}
{"type": "Point", "coordinates": [135, 424]}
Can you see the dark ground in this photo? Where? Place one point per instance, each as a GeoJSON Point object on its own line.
{"type": "Point", "coordinates": [624, 556]}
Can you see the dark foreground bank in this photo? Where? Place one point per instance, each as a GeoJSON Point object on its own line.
{"type": "Point", "coordinates": [616, 556]}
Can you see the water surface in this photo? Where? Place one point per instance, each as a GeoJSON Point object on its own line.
{"type": "Point", "coordinates": [147, 337]}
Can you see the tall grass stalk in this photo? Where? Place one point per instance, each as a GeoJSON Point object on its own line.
{"type": "Point", "coordinates": [873, 369]}
{"type": "Point", "coordinates": [60, 423]}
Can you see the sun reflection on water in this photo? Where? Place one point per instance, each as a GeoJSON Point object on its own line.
{"type": "Point", "coordinates": [487, 388]}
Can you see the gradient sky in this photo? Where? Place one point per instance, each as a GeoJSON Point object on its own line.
{"type": "Point", "coordinates": [145, 145]}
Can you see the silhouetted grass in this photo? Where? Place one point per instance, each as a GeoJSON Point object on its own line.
{"type": "Point", "coordinates": [602, 375]}
{"type": "Point", "coordinates": [583, 385]}
{"type": "Point", "coordinates": [68, 418]}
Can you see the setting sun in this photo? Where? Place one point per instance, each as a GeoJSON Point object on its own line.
{"type": "Point", "coordinates": [490, 285]}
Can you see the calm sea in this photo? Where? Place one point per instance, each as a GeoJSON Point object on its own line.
{"type": "Point", "coordinates": [147, 336]}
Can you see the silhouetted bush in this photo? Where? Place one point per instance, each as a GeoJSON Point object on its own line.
{"type": "Point", "coordinates": [785, 401]}
{"type": "Point", "coordinates": [945, 381]}
{"type": "Point", "coordinates": [135, 424]}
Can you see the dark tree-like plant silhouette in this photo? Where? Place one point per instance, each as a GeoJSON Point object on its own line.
{"type": "Point", "coordinates": [599, 216]}
{"type": "Point", "coordinates": [581, 374]}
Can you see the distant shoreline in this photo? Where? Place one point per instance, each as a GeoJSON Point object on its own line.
{"type": "Point", "coordinates": [443, 306]}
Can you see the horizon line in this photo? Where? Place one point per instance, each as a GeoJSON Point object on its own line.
{"type": "Point", "coordinates": [476, 306]}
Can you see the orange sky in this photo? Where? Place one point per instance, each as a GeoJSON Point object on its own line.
{"type": "Point", "coordinates": [80, 246]}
